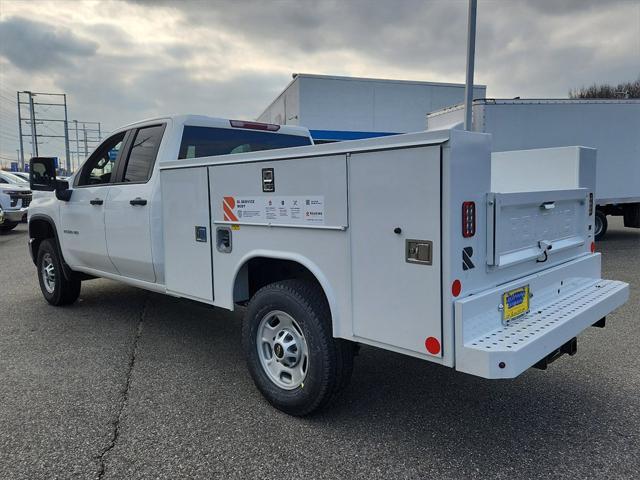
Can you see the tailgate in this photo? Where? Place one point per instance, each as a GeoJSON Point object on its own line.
{"type": "Point", "coordinates": [536, 226]}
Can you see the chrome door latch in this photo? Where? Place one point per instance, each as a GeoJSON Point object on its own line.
{"type": "Point", "coordinates": [419, 251]}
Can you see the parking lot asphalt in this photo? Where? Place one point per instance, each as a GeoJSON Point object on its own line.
{"type": "Point", "coordinates": [131, 384]}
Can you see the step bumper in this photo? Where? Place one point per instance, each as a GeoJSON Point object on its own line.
{"type": "Point", "coordinates": [507, 350]}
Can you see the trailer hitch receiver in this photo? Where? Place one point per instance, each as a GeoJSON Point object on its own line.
{"type": "Point", "coordinates": [570, 348]}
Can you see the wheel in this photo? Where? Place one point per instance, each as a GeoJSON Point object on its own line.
{"type": "Point", "coordinates": [601, 225]}
{"type": "Point", "coordinates": [7, 227]}
{"type": "Point", "coordinates": [291, 354]}
{"type": "Point", "coordinates": [57, 290]}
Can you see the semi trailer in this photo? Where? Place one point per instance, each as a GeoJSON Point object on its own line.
{"type": "Point", "coordinates": [610, 126]}
{"type": "Point", "coordinates": [411, 243]}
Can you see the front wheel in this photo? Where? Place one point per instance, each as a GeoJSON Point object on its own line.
{"type": "Point", "coordinates": [292, 356]}
{"type": "Point", "coordinates": [56, 289]}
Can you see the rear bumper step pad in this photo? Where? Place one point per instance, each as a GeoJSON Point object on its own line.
{"type": "Point", "coordinates": [508, 350]}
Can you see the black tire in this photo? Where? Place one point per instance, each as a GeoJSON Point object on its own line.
{"type": "Point", "coordinates": [61, 291]}
{"type": "Point", "coordinates": [601, 225]}
{"type": "Point", "coordinates": [7, 227]}
{"type": "Point", "coordinates": [330, 360]}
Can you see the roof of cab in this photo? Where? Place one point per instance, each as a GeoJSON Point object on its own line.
{"type": "Point", "coordinates": [206, 121]}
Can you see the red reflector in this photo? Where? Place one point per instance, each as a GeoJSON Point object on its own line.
{"type": "Point", "coordinates": [432, 344]}
{"type": "Point", "coordinates": [254, 125]}
{"type": "Point", "coordinates": [593, 247]}
{"type": "Point", "coordinates": [468, 219]}
{"type": "Point", "coordinates": [456, 288]}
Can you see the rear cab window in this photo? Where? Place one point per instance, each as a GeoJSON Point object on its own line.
{"type": "Point", "coordinates": [212, 141]}
{"type": "Point", "coordinates": [142, 155]}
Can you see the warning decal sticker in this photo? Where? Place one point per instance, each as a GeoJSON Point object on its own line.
{"type": "Point", "coordinates": [283, 209]}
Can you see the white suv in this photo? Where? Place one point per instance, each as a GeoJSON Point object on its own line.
{"type": "Point", "coordinates": [15, 197]}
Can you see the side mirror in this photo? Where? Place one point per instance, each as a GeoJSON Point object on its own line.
{"type": "Point", "coordinates": [42, 174]}
{"type": "Point", "coordinates": [42, 177]}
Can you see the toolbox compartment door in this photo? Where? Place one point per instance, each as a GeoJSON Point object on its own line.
{"type": "Point", "coordinates": [535, 226]}
{"type": "Point", "coordinates": [187, 234]}
{"type": "Point", "coordinates": [395, 199]}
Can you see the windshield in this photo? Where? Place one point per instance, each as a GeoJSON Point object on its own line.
{"type": "Point", "coordinates": [209, 141]}
{"type": "Point", "coordinates": [11, 178]}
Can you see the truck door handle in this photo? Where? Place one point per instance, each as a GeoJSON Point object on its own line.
{"type": "Point", "coordinates": [138, 201]}
{"type": "Point", "coordinates": [96, 201]}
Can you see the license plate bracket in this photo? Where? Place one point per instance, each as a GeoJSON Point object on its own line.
{"type": "Point", "coordinates": [515, 303]}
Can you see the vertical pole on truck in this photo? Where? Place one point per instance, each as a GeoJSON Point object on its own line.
{"type": "Point", "coordinates": [471, 53]}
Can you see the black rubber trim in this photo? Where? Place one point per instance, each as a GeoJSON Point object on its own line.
{"type": "Point", "coordinates": [68, 273]}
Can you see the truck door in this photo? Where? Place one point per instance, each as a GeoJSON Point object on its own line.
{"type": "Point", "coordinates": [128, 206]}
{"type": "Point", "coordinates": [394, 220]}
{"type": "Point", "coordinates": [82, 218]}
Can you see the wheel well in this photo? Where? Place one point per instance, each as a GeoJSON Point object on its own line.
{"type": "Point", "coordinates": [39, 230]}
{"type": "Point", "coordinates": [260, 271]}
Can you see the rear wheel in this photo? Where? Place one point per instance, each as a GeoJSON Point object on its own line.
{"type": "Point", "coordinates": [56, 289]}
{"type": "Point", "coordinates": [292, 356]}
{"type": "Point", "coordinates": [601, 225]}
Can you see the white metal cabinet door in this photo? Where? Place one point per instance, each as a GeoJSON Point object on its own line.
{"type": "Point", "coordinates": [188, 238]}
{"type": "Point", "coordinates": [395, 302]}
{"type": "Point", "coordinates": [82, 229]}
{"type": "Point", "coordinates": [128, 230]}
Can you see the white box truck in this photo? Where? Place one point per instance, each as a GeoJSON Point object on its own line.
{"type": "Point", "coordinates": [405, 243]}
{"type": "Point", "coordinates": [336, 108]}
{"type": "Point", "coordinates": [610, 126]}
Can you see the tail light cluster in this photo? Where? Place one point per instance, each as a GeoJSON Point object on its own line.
{"type": "Point", "coordinates": [468, 219]}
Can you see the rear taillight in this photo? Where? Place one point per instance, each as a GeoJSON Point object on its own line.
{"type": "Point", "coordinates": [468, 219]}
{"type": "Point", "coordinates": [254, 125]}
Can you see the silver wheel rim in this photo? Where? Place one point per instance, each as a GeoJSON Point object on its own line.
{"type": "Point", "coordinates": [283, 350]}
{"type": "Point", "coordinates": [48, 272]}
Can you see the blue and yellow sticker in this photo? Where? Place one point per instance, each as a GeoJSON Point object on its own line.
{"type": "Point", "coordinates": [515, 303]}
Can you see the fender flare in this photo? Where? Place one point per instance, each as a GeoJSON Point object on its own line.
{"type": "Point", "coordinates": [66, 270]}
{"type": "Point", "coordinates": [320, 277]}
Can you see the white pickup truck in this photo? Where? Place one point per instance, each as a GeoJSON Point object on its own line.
{"type": "Point", "coordinates": [412, 243]}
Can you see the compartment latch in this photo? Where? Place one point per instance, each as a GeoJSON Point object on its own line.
{"type": "Point", "coordinates": [419, 251]}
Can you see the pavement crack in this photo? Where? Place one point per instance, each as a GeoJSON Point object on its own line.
{"type": "Point", "coordinates": [123, 396]}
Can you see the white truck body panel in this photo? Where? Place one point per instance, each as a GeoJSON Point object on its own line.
{"type": "Point", "coordinates": [610, 126]}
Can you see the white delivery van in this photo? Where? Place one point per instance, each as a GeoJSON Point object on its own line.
{"type": "Point", "coordinates": [407, 243]}
{"type": "Point", "coordinates": [610, 126]}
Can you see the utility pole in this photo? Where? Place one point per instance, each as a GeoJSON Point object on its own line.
{"type": "Point", "coordinates": [86, 147]}
{"type": "Point", "coordinates": [77, 143]}
{"type": "Point", "coordinates": [471, 52]}
{"type": "Point", "coordinates": [34, 133]}
{"type": "Point", "coordinates": [66, 135]}
{"type": "Point", "coordinates": [21, 157]}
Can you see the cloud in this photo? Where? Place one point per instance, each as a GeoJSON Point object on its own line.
{"type": "Point", "coordinates": [123, 61]}
{"type": "Point", "coordinates": [37, 46]}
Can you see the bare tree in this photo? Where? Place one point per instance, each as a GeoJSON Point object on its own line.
{"type": "Point", "coordinates": [622, 90]}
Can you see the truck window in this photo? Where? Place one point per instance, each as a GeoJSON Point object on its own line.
{"type": "Point", "coordinates": [98, 168]}
{"type": "Point", "coordinates": [208, 141]}
{"type": "Point", "coordinates": [142, 154]}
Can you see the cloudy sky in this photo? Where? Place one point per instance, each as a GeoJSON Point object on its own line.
{"type": "Point", "coordinates": [122, 61]}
